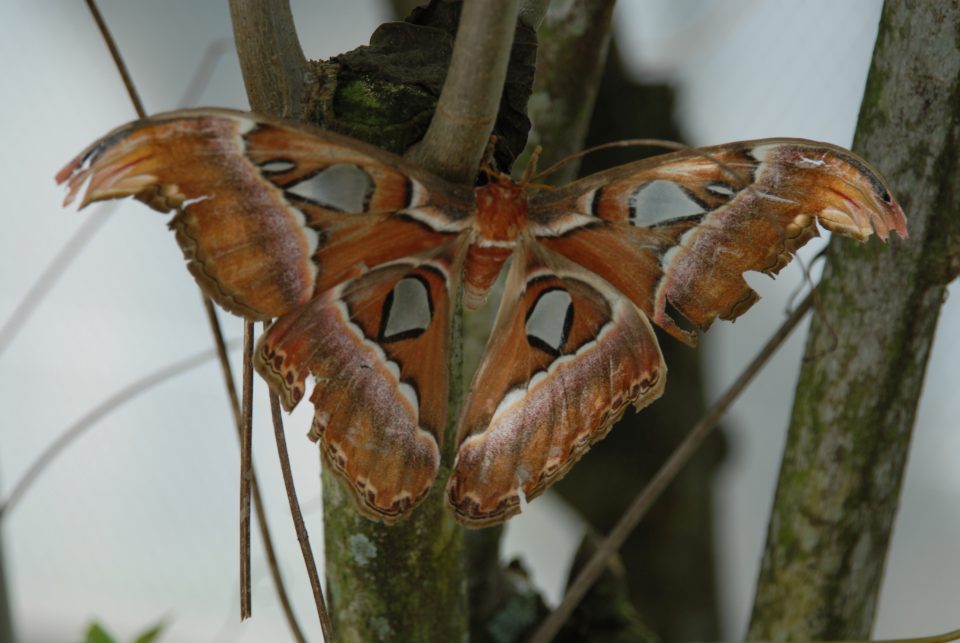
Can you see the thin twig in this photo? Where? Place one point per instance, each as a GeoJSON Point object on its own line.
{"type": "Point", "coordinates": [201, 77]}
{"type": "Point", "coordinates": [655, 488]}
{"type": "Point", "coordinates": [91, 225]}
{"type": "Point", "coordinates": [51, 275]}
{"type": "Point", "coordinates": [265, 537]}
{"type": "Point", "coordinates": [246, 437]}
{"type": "Point", "coordinates": [225, 369]}
{"type": "Point", "coordinates": [117, 59]}
{"type": "Point", "coordinates": [103, 409]}
{"type": "Point", "coordinates": [297, 516]}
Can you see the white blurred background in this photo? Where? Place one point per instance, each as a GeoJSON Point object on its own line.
{"type": "Point", "coordinates": [137, 521]}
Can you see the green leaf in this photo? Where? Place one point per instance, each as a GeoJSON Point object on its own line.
{"type": "Point", "coordinates": [96, 634]}
{"type": "Point", "coordinates": [149, 635]}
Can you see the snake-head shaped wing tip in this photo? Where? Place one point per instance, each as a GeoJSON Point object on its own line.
{"type": "Point", "coordinates": [75, 175]}
{"type": "Point", "coordinates": [861, 218]}
{"type": "Point", "coordinates": [845, 192]}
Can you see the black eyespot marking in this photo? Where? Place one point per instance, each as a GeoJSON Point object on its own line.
{"type": "Point", "coordinates": [595, 202]}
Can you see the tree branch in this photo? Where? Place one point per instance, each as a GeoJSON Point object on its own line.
{"type": "Point", "coordinates": [470, 100]}
{"type": "Point", "coordinates": [866, 356]}
{"type": "Point", "coordinates": [274, 68]}
{"type": "Point", "coordinates": [570, 61]}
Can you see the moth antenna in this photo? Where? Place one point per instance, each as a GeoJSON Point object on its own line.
{"type": "Point", "coordinates": [529, 172]}
{"type": "Point", "coordinates": [633, 142]}
{"type": "Point", "coordinates": [640, 142]}
{"type": "Point", "coordinates": [486, 162]}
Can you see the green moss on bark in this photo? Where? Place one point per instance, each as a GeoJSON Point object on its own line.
{"type": "Point", "coordinates": [361, 554]}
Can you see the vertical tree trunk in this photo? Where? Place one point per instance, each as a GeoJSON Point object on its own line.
{"type": "Point", "coordinates": [865, 358]}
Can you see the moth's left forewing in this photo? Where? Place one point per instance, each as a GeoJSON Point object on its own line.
{"type": "Point", "coordinates": [566, 357]}
{"type": "Point", "coordinates": [269, 213]}
{"type": "Point", "coordinates": [681, 229]}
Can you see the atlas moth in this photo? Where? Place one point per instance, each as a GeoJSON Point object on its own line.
{"type": "Point", "coordinates": [358, 255]}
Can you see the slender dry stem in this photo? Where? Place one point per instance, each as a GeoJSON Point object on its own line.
{"type": "Point", "coordinates": [112, 403]}
{"type": "Point", "coordinates": [303, 537]}
{"type": "Point", "coordinates": [274, 73]}
{"type": "Point", "coordinates": [655, 488]}
{"type": "Point", "coordinates": [117, 58]}
{"type": "Point", "coordinates": [246, 446]}
{"type": "Point", "coordinates": [258, 508]}
{"type": "Point", "coordinates": [92, 224]}
{"type": "Point", "coordinates": [66, 256]}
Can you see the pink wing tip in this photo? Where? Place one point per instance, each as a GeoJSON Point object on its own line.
{"type": "Point", "coordinates": [74, 175]}
{"type": "Point", "coordinates": [890, 218]}
{"type": "Point", "coordinates": [898, 221]}
{"type": "Point", "coordinates": [67, 170]}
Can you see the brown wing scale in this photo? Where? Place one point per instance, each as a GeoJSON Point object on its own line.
{"type": "Point", "coordinates": [358, 254]}
{"type": "Point", "coordinates": [269, 213]}
{"type": "Point", "coordinates": [682, 228]}
{"type": "Point", "coordinates": [566, 357]}
{"type": "Point", "coordinates": [377, 347]}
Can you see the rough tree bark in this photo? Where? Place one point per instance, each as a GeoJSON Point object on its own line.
{"type": "Point", "coordinates": [867, 351]}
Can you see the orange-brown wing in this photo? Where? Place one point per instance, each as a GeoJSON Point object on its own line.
{"type": "Point", "coordinates": [269, 213]}
{"type": "Point", "coordinates": [567, 355]}
{"type": "Point", "coordinates": [682, 228]}
{"type": "Point", "coordinates": [377, 347]}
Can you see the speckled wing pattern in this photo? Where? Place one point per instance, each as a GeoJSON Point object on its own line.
{"type": "Point", "coordinates": [682, 228]}
{"type": "Point", "coordinates": [358, 255]}
{"type": "Point", "coordinates": [566, 357]}
{"type": "Point", "coordinates": [353, 251]}
{"type": "Point", "coordinates": [674, 232]}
